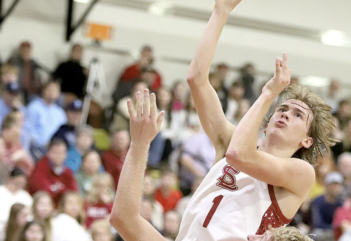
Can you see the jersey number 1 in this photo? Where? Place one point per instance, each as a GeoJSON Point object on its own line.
{"type": "Point", "coordinates": [216, 201]}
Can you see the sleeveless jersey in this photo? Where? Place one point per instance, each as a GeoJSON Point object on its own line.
{"type": "Point", "coordinates": [228, 206]}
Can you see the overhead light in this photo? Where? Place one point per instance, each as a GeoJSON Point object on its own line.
{"type": "Point", "coordinates": [82, 1]}
{"type": "Point", "coordinates": [314, 81]}
{"type": "Point", "coordinates": [335, 38]}
{"type": "Point", "coordinates": [160, 8]}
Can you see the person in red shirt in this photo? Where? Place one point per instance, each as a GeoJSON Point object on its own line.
{"type": "Point", "coordinates": [51, 175]}
{"type": "Point", "coordinates": [342, 217]}
{"type": "Point", "coordinates": [146, 60]}
{"type": "Point", "coordinates": [99, 199]}
{"type": "Point", "coordinates": [113, 159]}
{"type": "Point", "coordinates": [166, 194]}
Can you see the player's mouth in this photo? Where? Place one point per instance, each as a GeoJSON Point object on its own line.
{"type": "Point", "coordinates": [281, 123]}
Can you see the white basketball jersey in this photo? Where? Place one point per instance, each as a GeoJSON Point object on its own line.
{"type": "Point", "coordinates": [228, 206]}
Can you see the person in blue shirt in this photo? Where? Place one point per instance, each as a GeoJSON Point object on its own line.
{"type": "Point", "coordinates": [11, 104]}
{"type": "Point", "coordinates": [44, 117]}
{"type": "Point", "coordinates": [83, 145]}
{"type": "Point", "coordinates": [324, 206]}
{"type": "Point", "coordinates": [67, 132]}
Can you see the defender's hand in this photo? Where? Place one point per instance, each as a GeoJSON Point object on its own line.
{"type": "Point", "coordinates": [281, 78]}
{"type": "Point", "coordinates": [145, 123]}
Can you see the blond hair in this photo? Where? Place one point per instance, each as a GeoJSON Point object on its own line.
{"type": "Point", "coordinates": [36, 198]}
{"type": "Point", "coordinates": [61, 208]}
{"type": "Point", "coordinates": [93, 194]}
{"type": "Point", "coordinates": [101, 224]}
{"type": "Point", "coordinates": [321, 126]}
{"type": "Point", "coordinates": [8, 68]}
{"type": "Point", "coordinates": [288, 234]}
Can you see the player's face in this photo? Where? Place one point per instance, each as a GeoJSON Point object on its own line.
{"type": "Point", "coordinates": [292, 119]}
{"type": "Point", "coordinates": [267, 236]}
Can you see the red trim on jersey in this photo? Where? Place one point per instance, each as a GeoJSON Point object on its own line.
{"type": "Point", "coordinates": [273, 217]}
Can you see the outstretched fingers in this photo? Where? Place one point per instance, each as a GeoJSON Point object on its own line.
{"type": "Point", "coordinates": [146, 105]}
{"type": "Point", "coordinates": [153, 108]}
{"type": "Point", "coordinates": [130, 109]}
{"type": "Point", "coordinates": [139, 105]}
{"type": "Point", "coordinates": [160, 119]}
{"type": "Point", "coordinates": [278, 66]}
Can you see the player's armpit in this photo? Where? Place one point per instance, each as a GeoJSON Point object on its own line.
{"type": "Point", "coordinates": [292, 174]}
{"type": "Point", "coordinates": [211, 115]}
{"type": "Point", "coordinates": [138, 230]}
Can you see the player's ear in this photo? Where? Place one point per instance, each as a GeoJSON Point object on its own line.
{"type": "Point", "coordinates": [307, 142]}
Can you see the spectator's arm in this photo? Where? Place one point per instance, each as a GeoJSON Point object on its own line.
{"type": "Point", "coordinates": [188, 163]}
{"type": "Point", "coordinates": [34, 127]}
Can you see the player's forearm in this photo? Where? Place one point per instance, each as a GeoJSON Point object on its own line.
{"type": "Point", "coordinates": [244, 139]}
{"type": "Point", "coordinates": [127, 202]}
{"type": "Point", "coordinates": [201, 63]}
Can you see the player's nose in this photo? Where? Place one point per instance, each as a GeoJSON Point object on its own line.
{"type": "Point", "coordinates": [285, 116]}
{"type": "Point", "coordinates": [254, 237]}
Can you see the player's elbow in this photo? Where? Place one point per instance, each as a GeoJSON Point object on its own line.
{"type": "Point", "coordinates": [193, 76]}
{"type": "Point", "coordinates": [235, 157]}
{"type": "Point", "coordinates": [116, 222]}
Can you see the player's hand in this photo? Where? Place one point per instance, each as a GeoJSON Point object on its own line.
{"type": "Point", "coordinates": [228, 5]}
{"type": "Point", "coordinates": [281, 78]}
{"type": "Point", "coordinates": [145, 123]}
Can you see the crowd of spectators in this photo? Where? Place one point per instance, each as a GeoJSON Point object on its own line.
{"type": "Point", "coordinates": [57, 181]}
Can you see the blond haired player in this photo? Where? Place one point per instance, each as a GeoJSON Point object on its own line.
{"type": "Point", "coordinates": [125, 216]}
{"type": "Point", "coordinates": [251, 188]}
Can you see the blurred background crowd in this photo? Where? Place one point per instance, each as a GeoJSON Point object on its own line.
{"type": "Point", "coordinates": [59, 176]}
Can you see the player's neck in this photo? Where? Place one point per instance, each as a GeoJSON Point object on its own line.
{"type": "Point", "coordinates": [277, 149]}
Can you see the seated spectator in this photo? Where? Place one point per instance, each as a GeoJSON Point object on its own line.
{"type": "Point", "coordinates": [243, 107]}
{"type": "Point", "coordinates": [18, 117]}
{"type": "Point", "coordinates": [166, 195]}
{"type": "Point", "coordinates": [45, 117]}
{"type": "Point", "coordinates": [10, 99]}
{"type": "Point", "coordinates": [124, 88]}
{"type": "Point", "coordinates": [343, 113]}
{"type": "Point", "coordinates": [235, 95]}
{"type": "Point", "coordinates": [156, 218]}
{"type": "Point", "coordinates": [99, 200]}
{"type": "Point", "coordinates": [84, 143]}
{"type": "Point", "coordinates": [323, 207]}
{"type": "Point", "coordinates": [68, 225]}
{"type": "Point", "coordinates": [28, 68]}
{"type": "Point", "coordinates": [247, 79]}
{"type": "Point", "coordinates": [121, 118]}
{"type": "Point", "coordinates": [342, 217]}
{"type": "Point", "coordinates": [101, 231]}
{"type": "Point", "coordinates": [164, 99]}
{"type": "Point", "coordinates": [33, 231]}
{"type": "Point", "coordinates": [43, 210]}
{"type": "Point", "coordinates": [67, 131]}
{"type": "Point", "coordinates": [196, 160]}
{"type": "Point", "coordinates": [18, 218]}
{"type": "Point", "coordinates": [183, 203]}
{"type": "Point", "coordinates": [13, 192]}
{"type": "Point", "coordinates": [113, 159]}
{"type": "Point", "coordinates": [133, 71]}
{"type": "Point", "coordinates": [344, 167]}
{"type": "Point", "coordinates": [4, 170]}
{"type": "Point", "coordinates": [332, 97]}
{"type": "Point", "coordinates": [72, 75]}
{"type": "Point", "coordinates": [8, 74]}
{"type": "Point", "coordinates": [51, 175]}
{"type": "Point", "coordinates": [90, 168]}
{"type": "Point", "coordinates": [15, 155]}
{"type": "Point", "coordinates": [146, 211]}
{"type": "Point", "coordinates": [178, 95]}
{"type": "Point", "coordinates": [218, 85]}
{"type": "Point", "coordinates": [171, 225]}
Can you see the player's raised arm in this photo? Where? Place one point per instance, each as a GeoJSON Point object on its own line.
{"type": "Point", "coordinates": [125, 216]}
{"type": "Point", "coordinates": [287, 132]}
{"type": "Point", "coordinates": [206, 100]}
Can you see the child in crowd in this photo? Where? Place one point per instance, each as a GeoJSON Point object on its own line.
{"type": "Point", "coordinates": [43, 210]}
{"type": "Point", "coordinates": [84, 143]}
{"type": "Point", "coordinates": [90, 168]}
{"type": "Point", "coordinates": [68, 225]}
{"type": "Point", "coordinates": [166, 194]}
{"type": "Point", "coordinates": [171, 225]}
{"type": "Point", "coordinates": [99, 200]}
{"type": "Point", "coordinates": [18, 218]}
{"type": "Point", "coordinates": [101, 231]}
{"type": "Point", "coordinates": [33, 231]}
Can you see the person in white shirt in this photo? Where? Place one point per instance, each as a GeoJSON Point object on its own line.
{"type": "Point", "coordinates": [12, 192]}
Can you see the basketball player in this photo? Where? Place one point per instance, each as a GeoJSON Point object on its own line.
{"type": "Point", "coordinates": [125, 216]}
